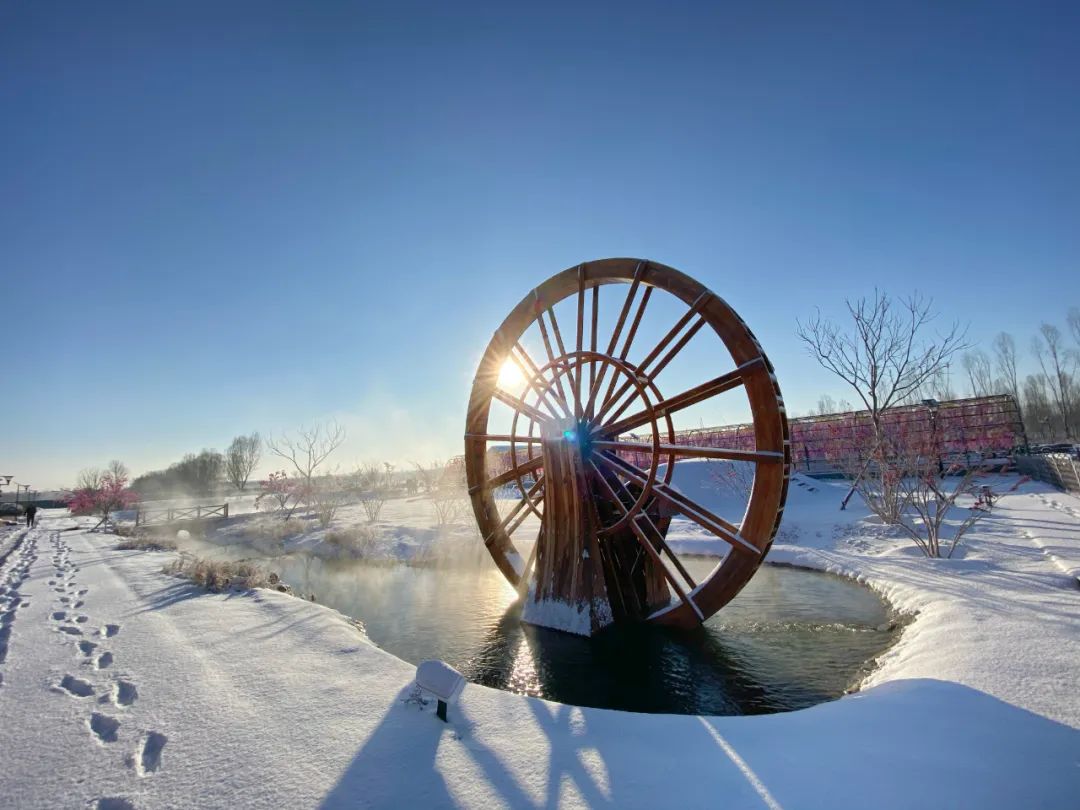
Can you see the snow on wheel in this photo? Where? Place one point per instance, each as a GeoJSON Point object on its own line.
{"type": "Point", "coordinates": [588, 447]}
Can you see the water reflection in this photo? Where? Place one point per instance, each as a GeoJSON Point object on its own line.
{"type": "Point", "coordinates": [791, 639]}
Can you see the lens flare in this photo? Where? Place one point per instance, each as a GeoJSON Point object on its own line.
{"type": "Point", "coordinates": [510, 377]}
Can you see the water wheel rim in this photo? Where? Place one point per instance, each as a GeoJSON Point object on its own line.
{"type": "Point", "coordinates": [752, 371]}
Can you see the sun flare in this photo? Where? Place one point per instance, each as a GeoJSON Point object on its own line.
{"type": "Point", "coordinates": [510, 377]}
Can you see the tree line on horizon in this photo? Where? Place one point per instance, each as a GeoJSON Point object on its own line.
{"type": "Point", "coordinates": [202, 473]}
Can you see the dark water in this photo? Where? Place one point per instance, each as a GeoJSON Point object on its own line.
{"type": "Point", "coordinates": [791, 639]}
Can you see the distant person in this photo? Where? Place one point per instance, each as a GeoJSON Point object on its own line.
{"type": "Point", "coordinates": [31, 515]}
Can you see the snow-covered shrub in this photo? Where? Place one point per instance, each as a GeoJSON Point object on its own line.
{"type": "Point", "coordinates": [356, 541]}
{"type": "Point", "coordinates": [369, 484]}
{"type": "Point", "coordinates": [219, 575]}
{"type": "Point", "coordinates": [451, 504]}
{"type": "Point", "coordinates": [136, 543]}
{"type": "Point", "coordinates": [908, 485]}
{"type": "Point", "coordinates": [328, 494]}
{"type": "Point", "coordinates": [449, 495]}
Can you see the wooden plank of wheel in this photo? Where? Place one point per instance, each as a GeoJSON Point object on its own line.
{"type": "Point", "coordinates": [597, 553]}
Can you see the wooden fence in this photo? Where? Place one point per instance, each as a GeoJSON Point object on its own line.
{"type": "Point", "coordinates": [155, 517]}
{"type": "Point", "coordinates": [1057, 469]}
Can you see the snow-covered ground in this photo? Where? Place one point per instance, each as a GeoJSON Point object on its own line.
{"type": "Point", "coordinates": [125, 688]}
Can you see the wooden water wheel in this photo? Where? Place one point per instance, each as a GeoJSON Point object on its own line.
{"type": "Point", "coordinates": [597, 504]}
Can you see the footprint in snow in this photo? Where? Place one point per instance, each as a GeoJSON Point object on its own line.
{"type": "Point", "coordinates": [59, 615]}
{"type": "Point", "coordinates": [87, 647]}
{"type": "Point", "coordinates": [113, 803]}
{"type": "Point", "coordinates": [147, 757]}
{"type": "Point", "coordinates": [71, 631]}
{"type": "Point", "coordinates": [125, 693]}
{"type": "Point", "coordinates": [110, 630]}
{"type": "Point", "coordinates": [104, 660]}
{"type": "Point", "coordinates": [76, 687]}
{"type": "Point", "coordinates": [104, 727]}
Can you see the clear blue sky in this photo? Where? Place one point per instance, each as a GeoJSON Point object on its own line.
{"type": "Point", "coordinates": [220, 217]}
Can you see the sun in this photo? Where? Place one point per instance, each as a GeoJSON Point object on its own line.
{"type": "Point", "coordinates": [510, 377]}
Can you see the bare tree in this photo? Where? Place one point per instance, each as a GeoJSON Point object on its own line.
{"type": "Point", "coordinates": [1005, 360]}
{"type": "Point", "coordinates": [1056, 361]}
{"type": "Point", "coordinates": [428, 477]}
{"type": "Point", "coordinates": [1073, 319]}
{"type": "Point", "coordinates": [118, 469]}
{"type": "Point", "coordinates": [308, 450]}
{"type": "Point", "coordinates": [732, 478]}
{"type": "Point", "coordinates": [937, 386]}
{"type": "Point", "coordinates": [977, 365]}
{"type": "Point", "coordinates": [1038, 410]}
{"type": "Point", "coordinates": [241, 459]}
{"type": "Point", "coordinates": [449, 497]}
{"type": "Point", "coordinates": [825, 405]}
{"type": "Point", "coordinates": [928, 498]}
{"type": "Point", "coordinates": [89, 479]}
{"type": "Point", "coordinates": [369, 483]}
{"type": "Point", "coordinates": [328, 494]}
{"type": "Point", "coordinates": [199, 474]}
{"type": "Point", "coordinates": [450, 504]}
{"type": "Point", "coordinates": [886, 354]}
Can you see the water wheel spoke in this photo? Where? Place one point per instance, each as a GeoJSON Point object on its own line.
{"type": "Point", "coordinates": [692, 396]}
{"type": "Point", "coordinates": [533, 383]}
{"type": "Point", "coordinates": [592, 344]}
{"type": "Point", "coordinates": [653, 373]}
{"type": "Point", "coordinates": [519, 512]}
{"type": "Point", "coordinates": [580, 341]}
{"type": "Point", "coordinates": [643, 540]}
{"type": "Point", "coordinates": [562, 353]}
{"type": "Point", "coordinates": [658, 538]}
{"type": "Point", "coordinates": [662, 344]}
{"type": "Point", "coordinates": [503, 437]}
{"type": "Point", "coordinates": [533, 373]}
{"type": "Point", "coordinates": [550, 352]}
{"type": "Point", "coordinates": [691, 451]}
{"type": "Point", "coordinates": [514, 473]}
{"type": "Point", "coordinates": [626, 346]}
{"type": "Point", "coordinates": [658, 535]}
{"type": "Point", "coordinates": [613, 497]}
{"type": "Point", "coordinates": [682, 504]}
{"type": "Point", "coordinates": [523, 582]}
{"type": "Point", "coordinates": [513, 513]}
{"type": "Point", "coordinates": [520, 405]}
{"type": "Point", "coordinates": [631, 293]}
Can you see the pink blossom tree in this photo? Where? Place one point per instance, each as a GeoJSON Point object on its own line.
{"type": "Point", "coordinates": [281, 494]}
{"type": "Point", "coordinates": [107, 494]}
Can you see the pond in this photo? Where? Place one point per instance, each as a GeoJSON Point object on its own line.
{"type": "Point", "coordinates": [791, 639]}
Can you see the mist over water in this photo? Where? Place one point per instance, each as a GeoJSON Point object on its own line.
{"type": "Point", "coordinates": [791, 639]}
